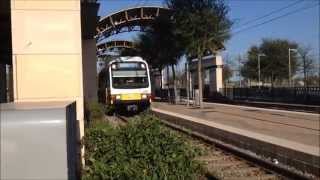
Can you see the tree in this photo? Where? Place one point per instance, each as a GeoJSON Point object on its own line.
{"type": "Point", "coordinates": [226, 73]}
{"type": "Point", "coordinates": [250, 68]}
{"type": "Point", "coordinates": [307, 64]}
{"type": "Point", "coordinates": [274, 64]}
{"type": "Point", "coordinates": [204, 25]}
{"type": "Point", "coordinates": [161, 46]}
{"type": "Point", "coordinates": [128, 52]}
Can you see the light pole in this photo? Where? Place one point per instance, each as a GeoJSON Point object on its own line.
{"type": "Point", "coordinates": [259, 69]}
{"type": "Point", "coordinates": [239, 60]}
{"type": "Point", "coordinates": [289, 65]}
{"type": "Point", "coordinates": [188, 83]}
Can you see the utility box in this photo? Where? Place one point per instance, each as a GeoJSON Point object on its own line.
{"type": "Point", "coordinates": [39, 140]}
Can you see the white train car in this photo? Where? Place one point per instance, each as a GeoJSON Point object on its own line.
{"type": "Point", "coordinates": [125, 83]}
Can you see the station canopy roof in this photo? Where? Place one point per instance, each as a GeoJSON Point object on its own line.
{"type": "Point", "coordinates": [132, 19]}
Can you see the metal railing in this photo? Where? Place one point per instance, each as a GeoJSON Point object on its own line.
{"type": "Point", "coordinates": [294, 95]}
{"type": "Point", "coordinates": [291, 95]}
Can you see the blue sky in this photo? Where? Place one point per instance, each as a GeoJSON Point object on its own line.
{"type": "Point", "coordinates": [301, 27]}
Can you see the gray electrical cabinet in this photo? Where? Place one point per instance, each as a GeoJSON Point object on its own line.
{"type": "Point", "coordinates": [39, 140]}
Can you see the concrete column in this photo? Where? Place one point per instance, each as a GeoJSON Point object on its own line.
{"type": "Point", "coordinates": [216, 82]}
{"type": "Point", "coordinates": [47, 55]}
{"type": "Point", "coordinates": [10, 83]}
{"type": "Point", "coordinates": [213, 80]}
{"type": "Point", "coordinates": [89, 69]}
{"type": "Point", "coordinates": [3, 83]}
{"type": "Point", "coordinates": [219, 80]}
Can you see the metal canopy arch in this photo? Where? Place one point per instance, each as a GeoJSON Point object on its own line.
{"type": "Point", "coordinates": [115, 44]}
{"type": "Point", "coordinates": [127, 20]}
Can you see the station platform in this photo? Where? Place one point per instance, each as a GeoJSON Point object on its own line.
{"type": "Point", "coordinates": [279, 133]}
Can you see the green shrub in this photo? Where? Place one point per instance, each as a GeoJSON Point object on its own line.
{"type": "Point", "coordinates": [96, 111]}
{"type": "Point", "coordinates": [109, 110]}
{"type": "Point", "coordinates": [144, 149]}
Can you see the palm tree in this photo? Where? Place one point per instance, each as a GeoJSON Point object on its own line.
{"type": "Point", "coordinates": [204, 26]}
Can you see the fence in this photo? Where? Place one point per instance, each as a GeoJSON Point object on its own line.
{"type": "Point", "coordinates": [182, 93]}
{"type": "Point", "coordinates": [296, 95]}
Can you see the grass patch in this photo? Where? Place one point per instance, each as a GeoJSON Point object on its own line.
{"type": "Point", "coordinates": [143, 149]}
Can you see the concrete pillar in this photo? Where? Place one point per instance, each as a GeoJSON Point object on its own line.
{"type": "Point", "coordinates": [89, 69]}
{"type": "Point", "coordinates": [47, 55]}
{"type": "Point", "coordinates": [9, 83]}
{"type": "Point", "coordinates": [219, 80]}
{"type": "Point", "coordinates": [3, 84]}
{"type": "Point", "coordinates": [213, 81]}
{"type": "Point", "coordinates": [216, 82]}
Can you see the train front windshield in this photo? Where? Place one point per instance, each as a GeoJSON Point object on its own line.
{"type": "Point", "coordinates": [129, 75]}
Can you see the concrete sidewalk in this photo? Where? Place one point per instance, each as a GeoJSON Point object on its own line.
{"type": "Point", "coordinates": [293, 129]}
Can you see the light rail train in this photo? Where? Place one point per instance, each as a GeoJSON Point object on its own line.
{"type": "Point", "coordinates": [125, 84]}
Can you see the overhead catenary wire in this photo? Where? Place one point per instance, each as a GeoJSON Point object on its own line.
{"type": "Point", "coordinates": [270, 13]}
{"type": "Point", "coordinates": [275, 18]}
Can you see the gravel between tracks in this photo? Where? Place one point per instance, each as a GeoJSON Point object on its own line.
{"type": "Point", "coordinates": [222, 165]}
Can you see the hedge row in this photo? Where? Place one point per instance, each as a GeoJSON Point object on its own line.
{"type": "Point", "coordinates": [143, 149]}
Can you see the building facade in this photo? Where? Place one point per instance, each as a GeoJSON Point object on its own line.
{"type": "Point", "coordinates": [212, 67]}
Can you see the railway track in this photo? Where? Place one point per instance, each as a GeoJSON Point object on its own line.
{"type": "Point", "coordinates": [276, 106]}
{"type": "Point", "coordinates": [223, 161]}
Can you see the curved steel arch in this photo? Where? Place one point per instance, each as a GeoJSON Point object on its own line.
{"type": "Point", "coordinates": [128, 19]}
{"type": "Point", "coordinates": [116, 44]}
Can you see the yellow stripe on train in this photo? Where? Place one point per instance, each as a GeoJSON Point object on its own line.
{"type": "Point", "coordinates": [131, 96]}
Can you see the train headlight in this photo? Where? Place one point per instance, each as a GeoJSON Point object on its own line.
{"type": "Point", "coordinates": [143, 66]}
{"type": "Point", "coordinates": [144, 96]}
{"type": "Point", "coordinates": [114, 66]}
{"type": "Point", "coordinates": [118, 97]}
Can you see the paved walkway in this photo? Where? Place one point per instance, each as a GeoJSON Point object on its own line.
{"type": "Point", "coordinates": [302, 128]}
